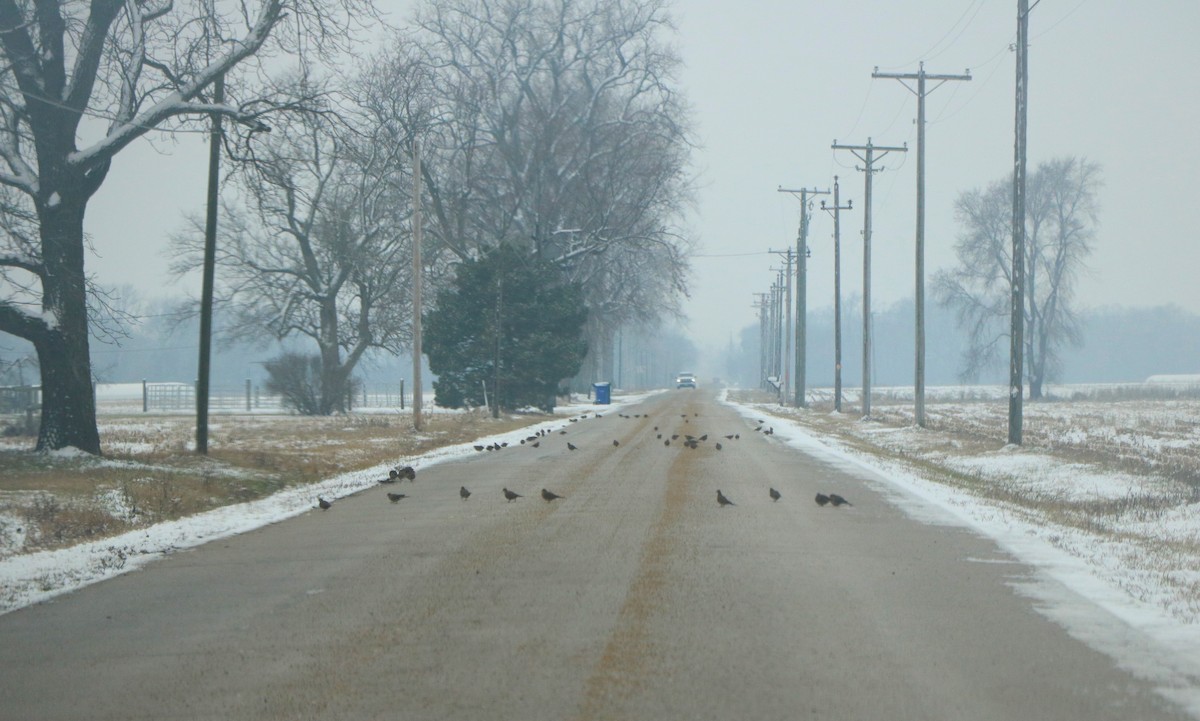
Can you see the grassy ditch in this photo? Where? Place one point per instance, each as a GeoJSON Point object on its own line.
{"type": "Point", "coordinates": [149, 472]}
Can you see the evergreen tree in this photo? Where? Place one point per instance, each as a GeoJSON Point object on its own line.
{"type": "Point", "coordinates": [509, 322]}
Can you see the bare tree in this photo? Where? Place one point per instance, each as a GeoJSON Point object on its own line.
{"type": "Point", "coordinates": [1061, 216]}
{"type": "Point", "coordinates": [557, 127]}
{"type": "Point", "coordinates": [127, 68]}
{"type": "Point", "coordinates": [320, 247]}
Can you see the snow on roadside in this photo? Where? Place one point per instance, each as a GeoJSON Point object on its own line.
{"type": "Point", "coordinates": [1138, 605]}
{"type": "Point", "coordinates": [26, 579]}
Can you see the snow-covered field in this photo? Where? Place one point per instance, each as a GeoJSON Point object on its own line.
{"type": "Point", "coordinates": [1114, 538]}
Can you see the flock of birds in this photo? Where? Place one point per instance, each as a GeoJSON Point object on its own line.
{"type": "Point", "coordinates": [401, 473]}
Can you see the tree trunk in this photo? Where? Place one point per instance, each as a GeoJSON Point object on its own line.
{"type": "Point", "coordinates": [333, 377]}
{"type": "Point", "coordinates": [68, 398]}
{"type": "Point", "coordinates": [1038, 342]}
{"type": "Point", "coordinates": [607, 354]}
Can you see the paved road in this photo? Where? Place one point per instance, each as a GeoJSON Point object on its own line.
{"type": "Point", "coordinates": [634, 597]}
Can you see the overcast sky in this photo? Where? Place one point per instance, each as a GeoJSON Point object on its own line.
{"type": "Point", "coordinates": [774, 82]}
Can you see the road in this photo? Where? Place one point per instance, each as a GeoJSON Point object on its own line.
{"type": "Point", "coordinates": [636, 596]}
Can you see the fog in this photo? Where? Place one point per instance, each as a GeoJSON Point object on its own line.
{"type": "Point", "coordinates": [773, 83]}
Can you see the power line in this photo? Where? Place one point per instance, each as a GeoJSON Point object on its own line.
{"type": "Point", "coordinates": [1060, 20]}
{"type": "Point", "coordinates": [728, 255]}
{"type": "Point", "coordinates": [977, 4]}
{"type": "Point", "coordinates": [942, 116]}
{"type": "Point", "coordinates": [963, 29]}
{"type": "Point", "coordinates": [860, 111]}
{"type": "Point", "coordinates": [97, 114]}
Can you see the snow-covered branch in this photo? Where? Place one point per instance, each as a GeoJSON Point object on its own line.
{"type": "Point", "coordinates": [180, 102]}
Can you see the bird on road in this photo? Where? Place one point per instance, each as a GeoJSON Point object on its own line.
{"type": "Point", "coordinates": [615, 443]}
{"type": "Point", "coordinates": [822, 499]}
{"type": "Point", "coordinates": [393, 497]}
{"type": "Point", "coordinates": [704, 437]}
{"type": "Point", "coordinates": [392, 476]}
{"type": "Point", "coordinates": [479, 448]}
{"type": "Point", "coordinates": [550, 495]}
{"type": "Point", "coordinates": [722, 500]}
{"type": "Point", "coordinates": [667, 442]}
{"type": "Point", "coordinates": [407, 472]}
{"type": "Point", "coordinates": [717, 446]}
{"type": "Point", "coordinates": [837, 500]}
{"type": "Point", "coordinates": [571, 446]}
{"type": "Point", "coordinates": [463, 492]}
{"type": "Point", "coordinates": [775, 495]}
{"type": "Point", "coordinates": [510, 495]}
{"type": "Point", "coordinates": [324, 504]}
{"type": "Point", "coordinates": [729, 437]}
{"type": "Point", "coordinates": [537, 443]}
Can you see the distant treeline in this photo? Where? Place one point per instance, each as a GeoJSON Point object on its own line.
{"type": "Point", "coordinates": [1119, 345]}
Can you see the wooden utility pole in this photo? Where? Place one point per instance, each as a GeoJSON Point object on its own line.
{"type": "Point", "coordinates": [760, 302]}
{"type": "Point", "coordinates": [210, 262]}
{"type": "Point", "coordinates": [836, 210]}
{"type": "Point", "coordinates": [786, 330]}
{"type": "Point", "coordinates": [1016, 364]}
{"type": "Point", "coordinates": [868, 157]}
{"type": "Point", "coordinates": [920, 91]}
{"type": "Point", "coordinates": [802, 254]}
{"type": "Point", "coordinates": [776, 292]}
{"type": "Point", "coordinates": [418, 423]}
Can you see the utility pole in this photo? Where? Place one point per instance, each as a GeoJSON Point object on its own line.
{"type": "Point", "coordinates": [836, 211]}
{"type": "Point", "coordinates": [785, 369]}
{"type": "Point", "coordinates": [769, 310]}
{"type": "Point", "coordinates": [869, 170]}
{"type": "Point", "coordinates": [779, 333]}
{"type": "Point", "coordinates": [1016, 364]}
{"type": "Point", "coordinates": [785, 372]}
{"type": "Point", "coordinates": [760, 302]}
{"type": "Point", "coordinates": [209, 273]}
{"type": "Point", "coordinates": [776, 329]}
{"type": "Point", "coordinates": [920, 91]}
{"type": "Point", "coordinates": [416, 287]}
{"type": "Point", "coordinates": [802, 255]}
{"type": "Point", "coordinates": [775, 292]}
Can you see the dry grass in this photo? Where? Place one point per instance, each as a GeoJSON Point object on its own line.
{"type": "Point", "coordinates": [150, 473]}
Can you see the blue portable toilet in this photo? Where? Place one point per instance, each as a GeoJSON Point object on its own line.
{"type": "Point", "coordinates": [603, 393]}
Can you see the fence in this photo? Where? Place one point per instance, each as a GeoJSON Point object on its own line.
{"type": "Point", "coordinates": [250, 398]}
{"type": "Point", "coordinates": [18, 399]}
{"type": "Point", "coordinates": [182, 397]}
